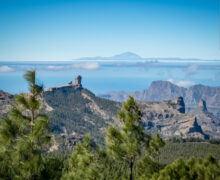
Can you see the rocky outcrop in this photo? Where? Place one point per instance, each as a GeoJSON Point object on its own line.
{"type": "Point", "coordinates": [178, 104]}
{"type": "Point", "coordinates": [77, 85]}
{"type": "Point", "coordinates": [207, 120]}
{"type": "Point", "coordinates": [202, 105]}
{"type": "Point", "coordinates": [169, 120]}
{"type": "Point", "coordinates": [78, 81]}
{"type": "Point", "coordinates": [4, 96]}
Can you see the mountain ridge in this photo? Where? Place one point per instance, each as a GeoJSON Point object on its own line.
{"type": "Point", "coordinates": [165, 90]}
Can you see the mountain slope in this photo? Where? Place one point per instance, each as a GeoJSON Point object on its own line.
{"type": "Point", "coordinates": [78, 111]}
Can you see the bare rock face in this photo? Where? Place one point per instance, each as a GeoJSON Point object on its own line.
{"type": "Point", "coordinates": [168, 119]}
{"type": "Point", "coordinates": [78, 81]}
{"type": "Point", "coordinates": [197, 129]}
{"type": "Point", "coordinates": [207, 120]}
{"type": "Point", "coordinates": [4, 96]}
{"type": "Point", "coordinates": [160, 91]}
{"type": "Point", "coordinates": [178, 104]}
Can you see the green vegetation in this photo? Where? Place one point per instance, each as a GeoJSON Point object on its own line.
{"type": "Point", "coordinates": [204, 169]}
{"type": "Point", "coordinates": [129, 152]}
{"type": "Point", "coordinates": [86, 162]}
{"type": "Point", "coordinates": [172, 151]}
{"type": "Point", "coordinates": [24, 135]}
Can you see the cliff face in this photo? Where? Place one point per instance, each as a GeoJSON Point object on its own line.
{"type": "Point", "coordinates": [160, 91]}
{"type": "Point", "coordinates": [164, 90]}
{"type": "Point", "coordinates": [168, 119]}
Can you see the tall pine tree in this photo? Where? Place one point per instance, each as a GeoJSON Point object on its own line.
{"type": "Point", "coordinates": [129, 142]}
{"type": "Point", "coordinates": [24, 135]}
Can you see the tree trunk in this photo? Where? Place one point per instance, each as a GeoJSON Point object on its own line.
{"type": "Point", "coordinates": [131, 170]}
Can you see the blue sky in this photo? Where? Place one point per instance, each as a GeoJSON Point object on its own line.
{"type": "Point", "coordinates": [64, 29]}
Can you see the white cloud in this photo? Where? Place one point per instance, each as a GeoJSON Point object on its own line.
{"type": "Point", "coordinates": [192, 68]}
{"type": "Point", "coordinates": [56, 68]}
{"type": "Point", "coordinates": [182, 83]}
{"type": "Point", "coordinates": [185, 83]}
{"type": "Point", "coordinates": [5, 69]}
{"type": "Point", "coordinates": [171, 80]}
{"type": "Point", "coordinates": [87, 65]}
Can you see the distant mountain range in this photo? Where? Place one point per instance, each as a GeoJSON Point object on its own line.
{"type": "Point", "coordinates": [123, 56]}
{"type": "Point", "coordinates": [165, 90]}
{"type": "Point", "coordinates": [75, 111]}
{"type": "Point", "coordinates": [134, 56]}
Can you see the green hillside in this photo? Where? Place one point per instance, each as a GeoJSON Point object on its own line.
{"type": "Point", "coordinates": [80, 111]}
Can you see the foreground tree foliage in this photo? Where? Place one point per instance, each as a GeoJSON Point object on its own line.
{"type": "Point", "coordinates": [24, 135]}
{"type": "Point", "coordinates": [86, 162]}
{"type": "Point", "coordinates": [203, 169]}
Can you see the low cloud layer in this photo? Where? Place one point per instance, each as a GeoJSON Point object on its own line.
{"type": "Point", "coordinates": [182, 83]}
{"type": "Point", "coordinates": [5, 69]}
{"type": "Point", "coordinates": [88, 66]}
{"type": "Point", "coordinates": [191, 70]}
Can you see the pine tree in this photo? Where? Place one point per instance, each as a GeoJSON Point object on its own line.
{"type": "Point", "coordinates": [129, 142]}
{"type": "Point", "coordinates": [25, 134]}
{"type": "Point", "coordinates": [86, 162]}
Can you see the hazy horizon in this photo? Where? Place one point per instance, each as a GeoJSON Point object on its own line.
{"type": "Point", "coordinates": [103, 76]}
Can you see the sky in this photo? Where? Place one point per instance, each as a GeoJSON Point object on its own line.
{"type": "Point", "coordinates": [32, 30]}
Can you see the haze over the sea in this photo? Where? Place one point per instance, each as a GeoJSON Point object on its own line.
{"type": "Point", "coordinates": [108, 75]}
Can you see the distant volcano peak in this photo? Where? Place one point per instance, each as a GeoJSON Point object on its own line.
{"type": "Point", "coordinates": [123, 56]}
